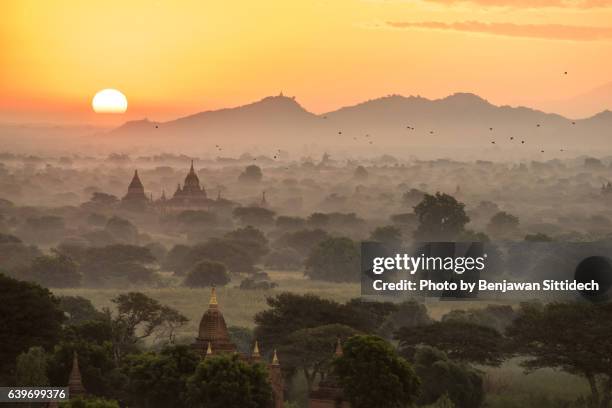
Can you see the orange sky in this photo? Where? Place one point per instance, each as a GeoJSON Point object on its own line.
{"type": "Point", "coordinates": [177, 57]}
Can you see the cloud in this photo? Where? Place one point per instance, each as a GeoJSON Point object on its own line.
{"type": "Point", "coordinates": [578, 4]}
{"type": "Point", "coordinates": [543, 31]}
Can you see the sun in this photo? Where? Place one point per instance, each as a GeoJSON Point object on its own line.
{"type": "Point", "coordinates": [109, 101]}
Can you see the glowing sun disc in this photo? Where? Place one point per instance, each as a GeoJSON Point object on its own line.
{"type": "Point", "coordinates": [109, 101]}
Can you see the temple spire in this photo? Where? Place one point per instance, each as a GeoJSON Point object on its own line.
{"type": "Point", "coordinates": [75, 383]}
{"type": "Point", "coordinates": [275, 359]}
{"type": "Point", "coordinates": [213, 298]}
{"type": "Point", "coordinates": [339, 351]}
{"type": "Point", "coordinates": [209, 349]}
{"type": "Point", "coordinates": [256, 350]}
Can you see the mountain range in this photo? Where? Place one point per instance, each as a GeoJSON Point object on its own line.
{"type": "Point", "coordinates": [458, 120]}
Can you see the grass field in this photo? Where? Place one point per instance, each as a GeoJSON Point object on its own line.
{"type": "Point", "coordinates": [238, 306]}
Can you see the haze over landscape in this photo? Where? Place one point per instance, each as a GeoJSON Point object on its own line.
{"type": "Point", "coordinates": [188, 192]}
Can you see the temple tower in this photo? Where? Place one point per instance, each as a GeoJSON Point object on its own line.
{"type": "Point", "coordinates": [276, 381]}
{"type": "Point", "coordinates": [135, 199]}
{"type": "Point", "coordinates": [213, 332]}
{"type": "Point", "coordinates": [75, 383]}
{"type": "Point", "coordinates": [329, 393]}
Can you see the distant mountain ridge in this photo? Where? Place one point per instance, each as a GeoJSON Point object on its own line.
{"type": "Point", "coordinates": [460, 119]}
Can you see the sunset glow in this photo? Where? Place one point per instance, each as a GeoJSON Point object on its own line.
{"type": "Point", "coordinates": [174, 59]}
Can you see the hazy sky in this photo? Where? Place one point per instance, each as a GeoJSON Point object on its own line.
{"type": "Point", "coordinates": [177, 57]}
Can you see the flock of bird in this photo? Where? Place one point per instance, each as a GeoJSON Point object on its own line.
{"type": "Point", "coordinates": [431, 132]}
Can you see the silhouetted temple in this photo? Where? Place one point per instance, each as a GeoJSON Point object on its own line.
{"type": "Point", "coordinates": [135, 199]}
{"type": "Point", "coordinates": [191, 194]}
{"type": "Point", "coordinates": [75, 383]}
{"type": "Point", "coordinates": [329, 393]}
{"type": "Point", "coordinates": [213, 338]}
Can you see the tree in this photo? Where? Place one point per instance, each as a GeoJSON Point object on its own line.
{"type": "Point", "coordinates": [228, 252]}
{"type": "Point", "coordinates": [196, 218]}
{"type": "Point", "coordinates": [251, 174]}
{"type": "Point", "coordinates": [388, 235]}
{"type": "Point", "coordinates": [407, 314]}
{"type": "Point", "coordinates": [311, 350]}
{"type": "Point", "coordinates": [93, 341]}
{"type": "Point", "coordinates": [138, 317]}
{"type": "Point", "coordinates": [248, 233]}
{"type": "Point", "coordinates": [573, 337]}
{"type": "Point", "coordinates": [335, 259]}
{"type": "Point", "coordinates": [122, 230]}
{"type": "Point", "coordinates": [159, 380]}
{"type": "Point", "coordinates": [284, 222]}
{"type": "Point", "coordinates": [373, 375]}
{"type": "Point", "coordinates": [44, 229]}
{"type": "Point", "coordinates": [441, 218]}
{"type": "Point", "coordinates": [227, 381]}
{"type": "Point", "coordinates": [440, 376]}
{"type": "Point", "coordinates": [207, 273]}
{"type": "Point", "coordinates": [118, 261]}
{"type": "Point", "coordinates": [96, 220]}
{"type": "Point", "coordinates": [318, 220]}
{"type": "Point", "coordinates": [503, 224]}
{"type": "Point", "coordinates": [56, 271]}
{"type": "Point", "coordinates": [538, 237]}
{"type": "Point", "coordinates": [16, 257]}
{"type": "Point", "coordinates": [288, 312]}
{"type": "Point", "coordinates": [158, 251]}
{"type": "Point", "coordinates": [460, 340]}
{"type": "Point", "coordinates": [497, 317]}
{"type": "Point", "coordinates": [242, 337]}
{"type": "Point", "coordinates": [303, 241]}
{"type": "Point", "coordinates": [32, 368]}
{"type": "Point", "coordinates": [251, 239]}
{"type": "Point", "coordinates": [174, 257]}
{"type": "Point", "coordinates": [103, 199]}
{"type": "Point", "coordinates": [284, 259]}
{"type": "Point", "coordinates": [9, 239]}
{"type": "Point", "coordinates": [29, 316]}
{"type": "Point", "coordinates": [78, 309]}
{"type": "Point", "coordinates": [257, 216]}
